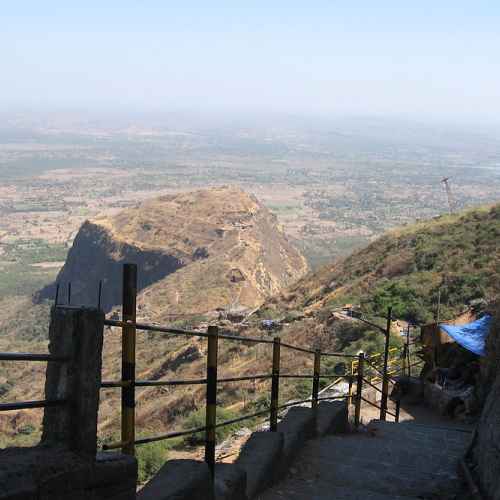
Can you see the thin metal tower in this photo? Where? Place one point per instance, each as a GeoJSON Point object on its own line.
{"type": "Point", "coordinates": [448, 193]}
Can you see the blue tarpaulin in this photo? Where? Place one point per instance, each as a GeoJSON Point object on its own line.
{"type": "Point", "coordinates": [472, 336]}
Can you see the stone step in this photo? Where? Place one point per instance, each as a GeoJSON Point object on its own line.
{"type": "Point", "coordinates": [389, 479]}
{"type": "Point", "coordinates": [320, 490]}
{"type": "Point", "coordinates": [377, 465]}
{"type": "Point", "coordinates": [384, 461]}
{"type": "Point", "coordinates": [393, 428]}
{"type": "Point", "coordinates": [438, 439]}
{"type": "Point", "coordinates": [365, 451]}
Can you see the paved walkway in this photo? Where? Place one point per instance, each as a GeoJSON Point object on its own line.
{"type": "Point", "coordinates": [385, 461]}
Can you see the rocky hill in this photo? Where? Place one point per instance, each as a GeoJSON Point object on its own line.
{"type": "Point", "coordinates": [197, 252]}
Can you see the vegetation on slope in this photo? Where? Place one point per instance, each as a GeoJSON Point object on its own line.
{"type": "Point", "coordinates": [457, 256]}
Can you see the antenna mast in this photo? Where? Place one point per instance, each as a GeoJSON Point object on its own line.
{"type": "Point", "coordinates": [449, 196]}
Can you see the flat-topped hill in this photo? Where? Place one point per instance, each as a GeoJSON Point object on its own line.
{"type": "Point", "coordinates": [197, 252]}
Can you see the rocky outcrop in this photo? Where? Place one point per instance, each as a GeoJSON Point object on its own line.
{"type": "Point", "coordinates": [196, 252]}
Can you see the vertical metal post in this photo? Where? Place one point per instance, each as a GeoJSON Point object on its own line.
{"type": "Point", "coordinates": [349, 398]}
{"type": "Point", "coordinates": [275, 385]}
{"type": "Point", "coordinates": [315, 387]}
{"type": "Point", "coordinates": [359, 389]}
{"type": "Point", "coordinates": [211, 398]}
{"type": "Point", "coordinates": [56, 299]}
{"type": "Point", "coordinates": [128, 357]}
{"type": "Point", "coordinates": [99, 293]}
{"type": "Point", "coordinates": [403, 360]}
{"type": "Point", "coordinates": [351, 381]}
{"type": "Point", "coordinates": [69, 293]}
{"type": "Point", "coordinates": [408, 360]}
{"type": "Point", "coordinates": [385, 379]}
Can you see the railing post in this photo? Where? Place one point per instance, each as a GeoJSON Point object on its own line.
{"type": "Point", "coordinates": [128, 357]}
{"type": "Point", "coordinates": [211, 398]}
{"type": "Point", "coordinates": [359, 389]}
{"type": "Point", "coordinates": [398, 408]}
{"type": "Point", "coordinates": [349, 398]}
{"type": "Point", "coordinates": [315, 387]}
{"type": "Point", "coordinates": [385, 379]}
{"type": "Point", "coordinates": [403, 363]}
{"type": "Point", "coordinates": [408, 350]}
{"type": "Point", "coordinates": [275, 385]}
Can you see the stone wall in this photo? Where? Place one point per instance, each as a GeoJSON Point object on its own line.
{"type": "Point", "coordinates": [485, 451]}
{"type": "Point", "coordinates": [66, 465]}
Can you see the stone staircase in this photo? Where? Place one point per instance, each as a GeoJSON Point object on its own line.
{"type": "Point", "coordinates": [383, 461]}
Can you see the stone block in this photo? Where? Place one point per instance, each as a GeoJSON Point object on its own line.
{"type": "Point", "coordinates": [297, 426]}
{"type": "Point", "coordinates": [179, 480]}
{"type": "Point", "coordinates": [57, 474]}
{"type": "Point", "coordinates": [411, 389]}
{"type": "Point", "coordinates": [230, 482]}
{"type": "Point", "coordinates": [332, 417]}
{"type": "Point", "coordinates": [111, 468]}
{"type": "Point", "coordinates": [260, 458]}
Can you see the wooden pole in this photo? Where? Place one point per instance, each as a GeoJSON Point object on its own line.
{"type": "Point", "coordinates": [211, 398]}
{"type": "Point", "coordinates": [385, 379]}
{"type": "Point", "coordinates": [128, 357]}
{"type": "Point", "coordinates": [275, 385]}
{"type": "Point", "coordinates": [315, 387]}
{"type": "Point", "coordinates": [359, 389]}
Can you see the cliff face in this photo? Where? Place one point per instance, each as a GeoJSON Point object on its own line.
{"type": "Point", "coordinates": [196, 252]}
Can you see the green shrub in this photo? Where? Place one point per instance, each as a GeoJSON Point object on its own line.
{"type": "Point", "coordinates": [26, 429]}
{"type": "Point", "coordinates": [197, 419]}
{"type": "Point", "coordinates": [150, 457]}
{"type": "Point", "coordinates": [5, 388]}
{"type": "Point", "coordinates": [262, 403]}
{"type": "Point", "coordinates": [406, 301]}
{"type": "Point", "coordinates": [302, 389]}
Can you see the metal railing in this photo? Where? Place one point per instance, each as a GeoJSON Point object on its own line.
{"type": "Point", "coordinates": [24, 356]}
{"type": "Point", "coordinates": [128, 382]}
{"type": "Point", "coordinates": [369, 372]}
{"type": "Point", "coordinates": [360, 373]}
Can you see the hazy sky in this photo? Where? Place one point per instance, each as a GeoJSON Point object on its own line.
{"type": "Point", "coordinates": [428, 58]}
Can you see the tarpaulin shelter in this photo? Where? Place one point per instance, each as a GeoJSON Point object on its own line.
{"type": "Point", "coordinates": [471, 336]}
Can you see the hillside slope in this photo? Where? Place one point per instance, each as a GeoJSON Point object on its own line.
{"type": "Point", "coordinates": [405, 268]}
{"type": "Point", "coordinates": [196, 252]}
{"type": "Point", "coordinates": [458, 255]}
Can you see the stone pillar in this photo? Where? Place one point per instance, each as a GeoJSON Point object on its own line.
{"type": "Point", "coordinates": [76, 333]}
